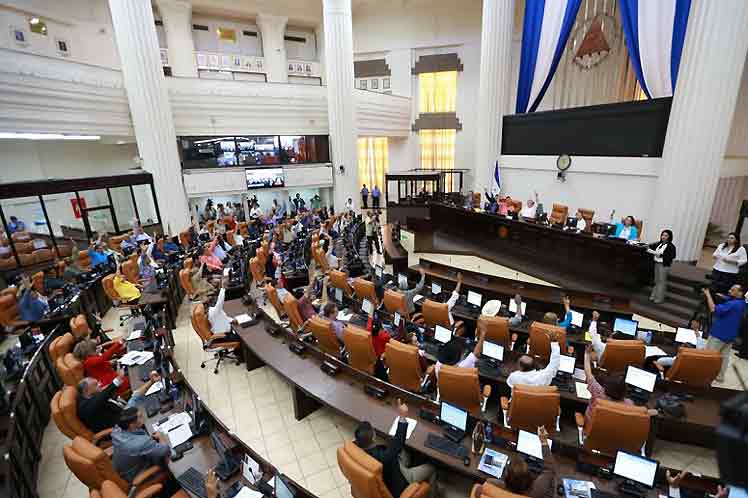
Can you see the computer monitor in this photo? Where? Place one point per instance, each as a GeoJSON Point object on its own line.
{"type": "Point", "coordinates": [396, 319]}
{"type": "Point", "coordinates": [378, 271]}
{"type": "Point", "coordinates": [513, 307]}
{"type": "Point", "coordinates": [685, 336]}
{"type": "Point", "coordinates": [566, 364]}
{"type": "Point", "coordinates": [339, 295]}
{"type": "Point", "coordinates": [436, 288]}
{"type": "Point", "coordinates": [367, 307]}
{"type": "Point", "coordinates": [402, 281]}
{"type": "Point", "coordinates": [576, 318]}
{"type": "Point", "coordinates": [624, 326]}
{"type": "Point", "coordinates": [282, 489]}
{"type": "Point", "coordinates": [636, 468]}
{"type": "Point", "coordinates": [571, 222]}
{"type": "Point", "coordinates": [474, 298]}
{"type": "Point", "coordinates": [442, 334]}
{"type": "Point", "coordinates": [529, 444]}
{"type": "Point", "coordinates": [493, 351]}
{"type": "Point", "coordinates": [453, 416]}
{"type": "Point", "coordinates": [642, 379]}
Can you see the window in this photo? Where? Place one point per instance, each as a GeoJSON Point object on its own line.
{"type": "Point", "coordinates": [226, 34]}
{"type": "Point", "coordinates": [437, 92]}
{"type": "Point", "coordinates": [373, 161]}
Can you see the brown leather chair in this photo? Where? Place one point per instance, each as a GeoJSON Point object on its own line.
{"type": "Point", "coordinates": [364, 473]}
{"type": "Point", "coordinates": [695, 367]}
{"type": "Point", "coordinates": [243, 230]}
{"type": "Point", "coordinates": [84, 259]}
{"type": "Point", "coordinates": [639, 227]}
{"type": "Point", "coordinates": [187, 264]}
{"type": "Point", "coordinates": [361, 353]}
{"type": "Point", "coordinates": [185, 281]}
{"type": "Point", "coordinates": [9, 317]}
{"type": "Point", "coordinates": [65, 250]}
{"type": "Point", "coordinates": [532, 407]}
{"type": "Point", "coordinates": [185, 239]}
{"type": "Point", "coordinates": [395, 302]}
{"type": "Point", "coordinates": [497, 330]}
{"type": "Point", "coordinates": [490, 490]}
{"type": "Point", "coordinates": [108, 284]}
{"type": "Point", "coordinates": [64, 407]}
{"type": "Point", "coordinates": [43, 255]}
{"type": "Point", "coordinates": [214, 344]}
{"type": "Point", "coordinates": [460, 386]}
{"type": "Point", "coordinates": [20, 236]}
{"type": "Point", "coordinates": [339, 279]}
{"type": "Point", "coordinates": [433, 314]}
{"type": "Point", "coordinates": [24, 247]}
{"type": "Point", "coordinates": [291, 307]}
{"type": "Point", "coordinates": [131, 271]}
{"type": "Point", "coordinates": [540, 342]}
{"type": "Point", "coordinates": [210, 225]}
{"type": "Point", "coordinates": [476, 199]}
{"type": "Point", "coordinates": [37, 282]}
{"type": "Point", "coordinates": [115, 242]}
{"type": "Point", "coordinates": [79, 326]}
{"type": "Point", "coordinates": [320, 257]}
{"type": "Point", "coordinates": [61, 346]}
{"type": "Point", "coordinates": [230, 237]}
{"type": "Point", "coordinates": [111, 490]}
{"type": "Point", "coordinates": [514, 205]}
{"type": "Point", "coordinates": [257, 269]}
{"type": "Point", "coordinates": [365, 289]}
{"type": "Point", "coordinates": [272, 293]}
{"type": "Point", "coordinates": [587, 215]}
{"type": "Point", "coordinates": [8, 263]}
{"type": "Point", "coordinates": [620, 353]}
{"type": "Point", "coordinates": [614, 426]}
{"type": "Point", "coordinates": [70, 369]}
{"type": "Point", "coordinates": [92, 466]}
{"type": "Point", "coordinates": [559, 214]}
{"type": "Point", "coordinates": [327, 341]}
{"type": "Point", "coordinates": [404, 365]}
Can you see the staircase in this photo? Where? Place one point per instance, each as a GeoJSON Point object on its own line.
{"type": "Point", "coordinates": [682, 297]}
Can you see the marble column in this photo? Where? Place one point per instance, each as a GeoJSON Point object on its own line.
{"type": "Point", "coordinates": [177, 18]}
{"type": "Point", "coordinates": [341, 106]}
{"type": "Point", "coordinates": [493, 93]}
{"type": "Point", "coordinates": [147, 94]}
{"type": "Point", "coordinates": [273, 31]}
{"type": "Point", "coordinates": [319, 35]}
{"type": "Point", "coordinates": [703, 105]}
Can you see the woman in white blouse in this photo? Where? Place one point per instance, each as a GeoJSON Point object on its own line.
{"type": "Point", "coordinates": [728, 258]}
{"type": "Point", "coordinates": [663, 253]}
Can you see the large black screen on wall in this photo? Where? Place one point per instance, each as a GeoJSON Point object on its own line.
{"type": "Point", "coordinates": [633, 129]}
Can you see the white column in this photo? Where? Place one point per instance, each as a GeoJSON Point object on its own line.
{"type": "Point", "coordinates": [273, 32]}
{"type": "Point", "coordinates": [150, 108]}
{"type": "Point", "coordinates": [177, 18]}
{"type": "Point", "coordinates": [341, 107]}
{"type": "Point", "coordinates": [319, 35]}
{"type": "Point", "coordinates": [708, 81]}
{"type": "Point", "coordinates": [493, 94]}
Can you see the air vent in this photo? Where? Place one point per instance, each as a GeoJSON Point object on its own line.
{"type": "Point", "coordinates": [295, 39]}
{"type": "Point", "coordinates": [250, 33]}
{"type": "Point", "coordinates": [200, 27]}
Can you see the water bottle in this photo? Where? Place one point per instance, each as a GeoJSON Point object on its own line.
{"type": "Point", "coordinates": [174, 392]}
{"type": "Point", "coordinates": [488, 433]}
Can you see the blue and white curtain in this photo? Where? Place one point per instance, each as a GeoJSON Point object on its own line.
{"type": "Point", "coordinates": [655, 32]}
{"type": "Point", "coordinates": [546, 30]}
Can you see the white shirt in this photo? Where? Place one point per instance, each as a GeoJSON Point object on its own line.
{"type": "Point", "coordinates": [538, 377]}
{"type": "Point", "coordinates": [332, 260]}
{"type": "Point", "coordinates": [597, 344]}
{"type": "Point", "coordinates": [218, 252]}
{"type": "Point", "coordinates": [727, 262]}
{"type": "Point", "coordinates": [349, 205]}
{"type": "Point", "coordinates": [658, 252]}
{"type": "Point", "coordinates": [256, 212]}
{"type": "Point", "coordinates": [451, 304]}
{"type": "Point", "coordinates": [581, 224]}
{"type": "Point", "coordinates": [624, 232]}
{"type": "Point", "coordinates": [220, 322]}
{"type": "Point", "coordinates": [468, 362]}
{"type": "Point", "coordinates": [529, 211]}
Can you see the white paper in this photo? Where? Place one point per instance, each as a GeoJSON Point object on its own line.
{"type": "Point", "coordinates": [246, 492]}
{"type": "Point", "coordinates": [144, 357]}
{"type": "Point", "coordinates": [582, 391]}
{"type": "Point", "coordinates": [251, 469]}
{"type": "Point", "coordinates": [243, 318]}
{"type": "Point", "coordinates": [499, 462]}
{"type": "Point", "coordinates": [135, 334]}
{"type": "Point", "coordinates": [226, 272]}
{"type": "Point", "coordinates": [156, 387]}
{"type": "Point", "coordinates": [173, 421]}
{"type": "Point", "coordinates": [685, 336]}
{"type": "Point", "coordinates": [529, 444]}
{"type": "Point", "coordinates": [178, 435]}
{"type": "Point", "coordinates": [417, 298]}
{"type": "Point", "coordinates": [653, 351]}
{"type": "Point", "coordinates": [411, 427]}
{"type": "Point", "coordinates": [579, 374]}
{"type": "Point", "coordinates": [130, 358]}
{"type": "Point", "coordinates": [344, 317]}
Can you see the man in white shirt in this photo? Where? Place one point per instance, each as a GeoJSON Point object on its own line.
{"type": "Point", "coordinates": [220, 322]}
{"type": "Point", "coordinates": [255, 212]}
{"type": "Point", "coordinates": [530, 209]}
{"type": "Point", "coordinates": [527, 375]}
{"type": "Point", "coordinates": [453, 298]}
{"type": "Point", "coordinates": [597, 343]}
{"type": "Point", "coordinates": [450, 354]}
{"type": "Point", "coordinates": [332, 260]}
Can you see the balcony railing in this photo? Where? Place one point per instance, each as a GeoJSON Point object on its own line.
{"type": "Point", "coordinates": [229, 62]}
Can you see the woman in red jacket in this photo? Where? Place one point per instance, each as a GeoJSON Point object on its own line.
{"type": "Point", "coordinates": [99, 366]}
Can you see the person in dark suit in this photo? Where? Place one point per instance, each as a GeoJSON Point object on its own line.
{"type": "Point", "coordinates": [397, 471]}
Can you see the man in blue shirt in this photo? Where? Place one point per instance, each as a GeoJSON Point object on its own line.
{"type": "Point", "coordinates": [375, 194]}
{"type": "Point", "coordinates": [97, 255]}
{"type": "Point", "coordinates": [16, 225]}
{"type": "Point", "coordinates": [32, 306]}
{"type": "Point", "coordinates": [725, 325]}
{"type": "Point", "coordinates": [133, 449]}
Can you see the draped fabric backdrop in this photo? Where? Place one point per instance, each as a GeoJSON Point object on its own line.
{"type": "Point", "coordinates": [546, 30]}
{"type": "Point", "coordinates": [373, 161]}
{"type": "Point", "coordinates": [655, 32]}
{"type": "Point", "coordinates": [437, 92]}
{"type": "Point", "coordinates": [438, 151]}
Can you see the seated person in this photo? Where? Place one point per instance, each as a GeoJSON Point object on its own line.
{"type": "Point", "coordinates": [127, 291]}
{"type": "Point", "coordinates": [491, 205]}
{"type": "Point", "coordinates": [209, 259]}
{"type": "Point", "coordinates": [581, 224]}
{"type": "Point", "coordinates": [98, 410]}
{"type": "Point", "coordinates": [332, 260]}
{"type": "Point", "coordinates": [99, 366]}
{"type": "Point", "coordinates": [627, 229]}
{"type": "Point", "coordinates": [138, 235]}
{"type": "Point", "coordinates": [16, 225]}
{"type": "Point", "coordinates": [32, 306]}
{"type": "Point", "coordinates": [695, 325]}
{"type": "Point", "coordinates": [609, 386]}
{"type": "Point", "coordinates": [552, 319]}
{"type": "Point", "coordinates": [306, 310]}
{"type": "Point", "coordinates": [411, 293]}
{"type": "Point", "coordinates": [133, 449]}
{"type": "Point", "coordinates": [519, 480]}
{"type": "Point", "coordinates": [146, 266]}
{"type": "Point", "coordinates": [52, 282]}
{"type": "Point", "coordinates": [450, 354]}
{"type": "Point", "coordinates": [529, 211]}
{"type": "Point", "coordinates": [220, 322]}
{"type": "Point", "coordinates": [509, 203]}
{"type": "Point", "coordinates": [396, 470]}
{"type": "Point", "coordinates": [527, 375]}
{"type": "Point", "coordinates": [379, 336]}
{"type": "Point", "coordinates": [201, 287]}
{"type": "Point", "coordinates": [330, 313]}
{"type": "Point", "coordinates": [220, 248]}
{"type": "Point", "coordinates": [98, 255]}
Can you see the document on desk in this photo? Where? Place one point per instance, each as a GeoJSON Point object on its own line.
{"type": "Point", "coordinates": [588, 336]}
{"type": "Point", "coordinates": [136, 358]}
{"type": "Point", "coordinates": [156, 387]}
{"type": "Point", "coordinates": [173, 421]}
{"type": "Point", "coordinates": [580, 375]}
{"type": "Point", "coordinates": [582, 391]}
{"type": "Point", "coordinates": [251, 469]}
{"type": "Point", "coordinates": [417, 298]}
{"type": "Point", "coordinates": [179, 434]}
{"type": "Point", "coordinates": [343, 317]}
{"type": "Point", "coordinates": [492, 463]}
{"type": "Point", "coordinates": [246, 492]}
{"type": "Point", "coordinates": [243, 318]}
{"type": "Point", "coordinates": [578, 489]}
{"type": "Point", "coordinates": [411, 427]}
{"type": "Point", "coordinates": [653, 351]}
{"type": "Point", "coordinates": [135, 334]}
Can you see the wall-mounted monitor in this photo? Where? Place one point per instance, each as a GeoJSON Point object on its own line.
{"type": "Point", "coordinates": [264, 178]}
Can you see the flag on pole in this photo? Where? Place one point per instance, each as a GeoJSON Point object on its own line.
{"type": "Point", "coordinates": [497, 177]}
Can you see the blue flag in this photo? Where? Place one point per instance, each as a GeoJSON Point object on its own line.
{"type": "Point", "coordinates": [497, 176]}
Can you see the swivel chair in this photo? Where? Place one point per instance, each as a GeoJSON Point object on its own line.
{"type": "Point", "coordinates": [217, 345]}
{"type": "Point", "coordinates": [614, 426]}
{"type": "Point", "coordinates": [460, 386]}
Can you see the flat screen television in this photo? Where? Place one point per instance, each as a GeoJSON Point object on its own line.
{"type": "Point", "coordinates": [264, 178]}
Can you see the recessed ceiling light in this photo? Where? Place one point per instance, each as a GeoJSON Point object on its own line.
{"type": "Point", "coordinates": [47, 136]}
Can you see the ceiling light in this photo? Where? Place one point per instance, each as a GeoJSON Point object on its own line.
{"type": "Point", "coordinates": [34, 20]}
{"type": "Point", "coordinates": [47, 136]}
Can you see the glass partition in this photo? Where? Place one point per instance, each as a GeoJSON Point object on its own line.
{"type": "Point", "coordinates": [27, 233]}
{"type": "Point", "coordinates": [147, 213]}
{"type": "Point", "coordinates": [124, 209]}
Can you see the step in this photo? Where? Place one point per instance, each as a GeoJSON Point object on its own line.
{"type": "Point", "coordinates": [687, 290]}
{"type": "Point", "coordinates": [682, 312]}
{"type": "Point", "coordinates": [656, 313]}
{"type": "Point", "coordinates": [673, 277]}
{"type": "Point", "coordinates": [691, 301]}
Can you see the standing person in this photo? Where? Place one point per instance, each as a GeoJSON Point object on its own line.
{"type": "Point", "coordinates": [663, 253]}
{"type": "Point", "coordinates": [349, 205]}
{"type": "Point", "coordinates": [365, 197]}
{"type": "Point", "coordinates": [627, 229]}
{"type": "Point", "coordinates": [377, 233]}
{"type": "Point", "coordinates": [728, 317]}
{"type": "Point", "coordinates": [315, 202]}
{"type": "Point", "coordinates": [372, 236]}
{"type": "Point", "coordinates": [375, 195]}
{"type": "Point", "coordinates": [729, 256]}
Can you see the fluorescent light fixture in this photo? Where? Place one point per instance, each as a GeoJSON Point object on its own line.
{"type": "Point", "coordinates": [46, 136]}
